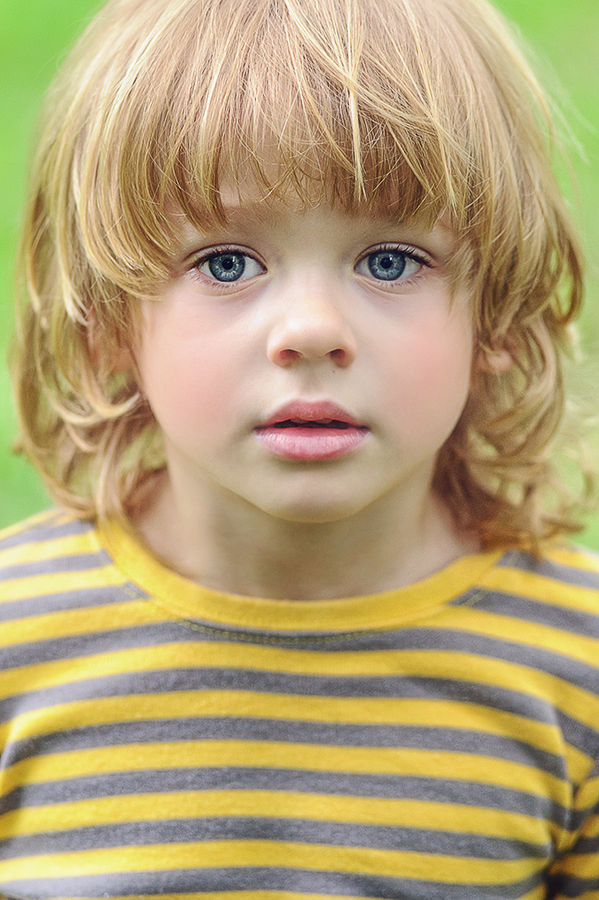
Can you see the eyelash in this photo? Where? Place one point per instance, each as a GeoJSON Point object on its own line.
{"type": "Point", "coordinates": [407, 250]}
{"type": "Point", "coordinates": [410, 252]}
{"type": "Point", "coordinates": [221, 251]}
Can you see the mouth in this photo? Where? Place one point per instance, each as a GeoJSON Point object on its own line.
{"type": "Point", "coordinates": [311, 431]}
{"type": "Point", "coordinates": [312, 423]}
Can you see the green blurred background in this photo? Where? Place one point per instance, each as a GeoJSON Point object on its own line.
{"type": "Point", "coordinates": [34, 36]}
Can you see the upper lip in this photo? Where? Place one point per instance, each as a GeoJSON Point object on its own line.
{"type": "Point", "coordinates": [311, 411]}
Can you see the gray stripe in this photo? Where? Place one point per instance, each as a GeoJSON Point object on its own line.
{"type": "Point", "coordinates": [283, 830]}
{"type": "Point", "coordinates": [201, 680]}
{"type": "Point", "coordinates": [563, 667]}
{"type": "Point", "coordinates": [389, 640]}
{"type": "Point", "coordinates": [281, 731]}
{"type": "Point", "coordinates": [571, 886]}
{"type": "Point", "coordinates": [475, 645]}
{"type": "Point", "coordinates": [560, 666]}
{"type": "Point", "coordinates": [552, 570]}
{"type": "Point", "coordinates": [586, 846]}
{"type": "Point", "coordinates": [511, 606]}
{"type": "Point", "coordinates": [50, 529]}
{"type": "Point", "coordinates": [233, 778]}
{"type": "Point", "coordinates": [132, 638]}
{"type": "Point", "coordinates": [77, 562]}
{"type": "Point", "coordinates": [557, 665]}
{"type": "Point", "coordinates": [286, 684]}
{"type": "Point", "coordinates": [261, 879]}
{"type": "Point", "coordinates": [42, 605]}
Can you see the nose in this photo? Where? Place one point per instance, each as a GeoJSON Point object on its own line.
{"type": "Point", "coordinates": [310, 327]}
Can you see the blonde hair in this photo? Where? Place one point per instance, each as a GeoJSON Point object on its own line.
{"type": "Point", "coordinates": [414, 107]}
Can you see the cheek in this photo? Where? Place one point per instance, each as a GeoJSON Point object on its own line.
{"type": "Point", "coordinates": [187, 381]}
{"type": "Point", "coordinates": [431, 379]}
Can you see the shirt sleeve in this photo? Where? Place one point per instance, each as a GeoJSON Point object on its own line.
{"type": "Point", "coordinates": [575, 873]}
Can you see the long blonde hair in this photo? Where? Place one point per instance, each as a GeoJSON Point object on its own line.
{"type": "Point", "coordinates": [414, 107]}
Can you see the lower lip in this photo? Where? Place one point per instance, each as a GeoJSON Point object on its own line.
{"type": "Point", "coordinates": [311, 443]}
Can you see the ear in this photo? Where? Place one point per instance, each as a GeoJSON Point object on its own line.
{"type": "Point", "coordinates": [494, 360]}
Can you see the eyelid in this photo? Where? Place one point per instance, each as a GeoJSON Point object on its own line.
{"type": "Point", "coordinates": [201, 256]}
{"type": "Point", "coordinates": [412, 252]}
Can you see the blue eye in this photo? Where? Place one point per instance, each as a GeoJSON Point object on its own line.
{"type": "Point", "coordinates": [229, 266]}
{"type": "Point", "coordinates": [387, 265]}
{"type": "Point", "coordinates": [390, 265]}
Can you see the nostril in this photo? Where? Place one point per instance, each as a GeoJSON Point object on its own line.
{"type": "Point", "coordinates": [297, 340]}
{"type": "Point", "coordinates": [288, 355]}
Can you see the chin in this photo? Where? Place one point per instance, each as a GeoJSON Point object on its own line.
{"type": "Point", "coordinates": [317, 513]}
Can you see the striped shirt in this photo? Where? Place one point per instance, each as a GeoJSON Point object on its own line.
{"type": "Point", "coordinates": [436, 742]}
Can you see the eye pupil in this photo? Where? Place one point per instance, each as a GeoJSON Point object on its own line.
{"type": "Point", "coordinates": [387, 265]}
{"type": "Point", "coordinates": [227, 266]}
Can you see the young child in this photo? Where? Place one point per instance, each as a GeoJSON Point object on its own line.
{"type": "Point", "coordinates": [298, 284]}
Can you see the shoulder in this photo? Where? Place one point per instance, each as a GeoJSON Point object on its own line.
{"type": "Point", "coordinates": [559, 567]}
{"type": "Point", "coordinates": [46, 544]}
{"type": "Point", "coordinates": [558, 589]}
{"type": "Point", "coordinates": [57, 580]}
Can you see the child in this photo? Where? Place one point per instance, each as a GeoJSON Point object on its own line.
{"type": "Point", "coordinates": [299, 279]}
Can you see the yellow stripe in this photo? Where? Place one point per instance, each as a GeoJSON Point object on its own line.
{"type": "Point", "coordinates": [282, 756]}
{"type": "Point", "coordinates": [573, 556]}
{"type": "Point", "coordinates": [254, 895]}
{"type": "Point", "coordinates": [53, 516]}
{"type": "Point", "coordinates": [586, 796]}
{"type": "Point", "coordinates": [583, 866]}
{"type": "Point", "coordinates": [510, 676]}
{"type": "Point", "coordinates": [539, 893]}
{"type": "Point", "coordinates": [516, 632]}
{"type": "Point", "coordinates": [71, 545]}
{"type": "Point", "coordinates": [280, 805]}
{"type": "Point", "coordinates": [572, 700]}
{"type": "Point", "coordinates": [206, 654]}
{"type": "Point", "coordinates": [282, 707]}
{"type": "Point", "coordinates": [538, 587]}
{"type": "Point", "coordinates": [80, 621]}
{"type": "Point", "coordinates": [241, 854]}
{"type": "Point", "coordinates": [59, 582]}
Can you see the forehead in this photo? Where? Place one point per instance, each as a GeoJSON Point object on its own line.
{"type": "Point", "coordinates": [247, 199]}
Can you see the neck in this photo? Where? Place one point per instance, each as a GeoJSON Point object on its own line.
{"type": "Point", "coordinates": [235, 548]}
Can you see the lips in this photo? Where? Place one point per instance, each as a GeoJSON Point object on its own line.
{"type": "Point", "coordinates": [307, 430]}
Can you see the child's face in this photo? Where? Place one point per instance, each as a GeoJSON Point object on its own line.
{"type": "Point", "coordinates": [286, 319]}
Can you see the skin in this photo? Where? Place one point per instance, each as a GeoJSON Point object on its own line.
{"type": "Point", "coordinates": [307, 320]}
